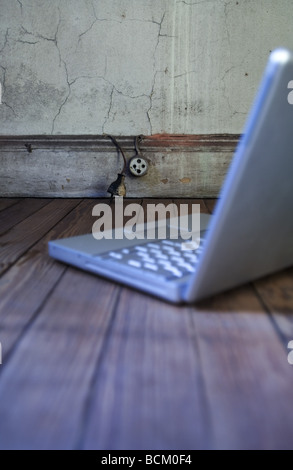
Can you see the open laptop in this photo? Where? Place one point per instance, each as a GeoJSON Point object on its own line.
{"type": "Point", "coordinates": [251, 232]}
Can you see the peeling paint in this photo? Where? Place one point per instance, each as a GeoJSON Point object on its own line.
{"type": "Point", "coordinates": [165, 181]}
{"type": "Point", "coordinates": [185, 180]}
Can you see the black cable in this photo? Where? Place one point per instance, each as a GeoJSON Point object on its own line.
{"type": "Point", "coordinates": [120, 149]}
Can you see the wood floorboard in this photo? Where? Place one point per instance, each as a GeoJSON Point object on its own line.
{"type": "Point", "coordinates": [276, 293]}
{"type": "Point", "coordinates": [21, 237]}
{"type": "Point", "coordinates": [13, 215]}
{"type": "Point", "coordinates": [89, 364]}
{"type": "Point", "coordinates": [8, 202]}
{"type": "Point", "coordinates": [148, 392]}
{"type": "Point", "coordinates": [247, 376]}
{"type": "Point", "coordinates": [48, 378]}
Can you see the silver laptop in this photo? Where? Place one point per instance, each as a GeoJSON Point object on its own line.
{"type": "Point", "coordinates": [250, 234]}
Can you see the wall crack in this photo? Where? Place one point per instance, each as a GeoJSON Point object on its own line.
{"type": "Point", "coordinates": [109, 110]}
{"type": "Point", "coordinates": [65, 100]}
{"type": "Point", "coordinates": [6, 39]}
{"type": "Point", "coordinates": [9, 107]}
{"type": "Point", "coordinates": [21, 6]}
{"type": "Point", "coordinates": [27, 42]}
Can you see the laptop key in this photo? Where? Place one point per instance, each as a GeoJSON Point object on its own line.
{"type": "Point", "coordinates": [177, 259]}
{"type": "Point", "coordinates": [134, 264]}
{"type": "Point", "coordinates": [190, 257]}
{"type": "Point", "coordinates": [162, 262]}
{"type": "Point", "coordinates": [174, 271]}
{"type": "Point", "coordinates": [152, 267]}
{"type": "Point", "coordinates": [156, 251]}
{"type": "Point", "coordinates": [188, 267]}
{"type": "Point", "coordinates": [114, 255]}
{"type": "Point", "coordinates": [154, 246]}
{"type": "Point", "coordinates": [141, 254]}
{"type": "Point", "coordinates": [161, 257]}
{"type": "Point", "coordinates": [141, 249]}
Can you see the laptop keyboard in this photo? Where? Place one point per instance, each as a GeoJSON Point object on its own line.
{"type": "Point", "coordinates": [163, 258]}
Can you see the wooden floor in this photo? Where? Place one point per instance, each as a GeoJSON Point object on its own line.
{"type": "Point", "coordinates": [88, 364]}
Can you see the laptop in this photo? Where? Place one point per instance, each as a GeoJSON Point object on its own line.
{"type": "Point", "coordinates": [250, 234]}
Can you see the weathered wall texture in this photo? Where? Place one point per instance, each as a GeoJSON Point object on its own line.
{"type": "Point", "coordinates": [134, 66]}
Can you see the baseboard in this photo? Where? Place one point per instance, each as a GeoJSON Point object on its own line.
{"type": "Point", "coordinates": [84, 166]}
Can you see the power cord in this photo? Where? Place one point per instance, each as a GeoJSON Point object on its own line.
{"type": "Point", "coordinates": [120, 149]}
{"type": "Point", "coordinates": [118, 188]}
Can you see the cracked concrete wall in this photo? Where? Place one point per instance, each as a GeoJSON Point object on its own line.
{"type": "Point", "coordinates": [134, 66]}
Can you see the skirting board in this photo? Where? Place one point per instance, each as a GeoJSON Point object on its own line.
{"type": "Point", "coordinates": [84, 166]}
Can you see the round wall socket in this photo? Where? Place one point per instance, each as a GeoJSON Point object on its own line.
{"type": "Point", "coordinates": [138, 166]}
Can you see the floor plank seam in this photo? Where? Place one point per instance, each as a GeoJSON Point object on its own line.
{"type": "Point", "coordinates": [37, 241]}
{"type": "Point", "coordinates": [80, 441]}
{"type": "Point", "coordinates": [207, 209]}
{"type": "Point", "coordinates": [273, 322]}
{"type": "Point", "coordinates": [30, 323]}
{"type": "Point", "coordinates": [33, 213]}
{"type": "Point", "coordinates": [11, 205]}
{"type": "Point", "coordinates": [203, 384]}
{"type": "Point", "coordinates": [57, 223]}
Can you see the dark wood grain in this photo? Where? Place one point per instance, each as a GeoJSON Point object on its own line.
{"type": "Point", "coordinates": [88, 364]}
{"type": "Point", "coordinates": [25, 290]}
{"type": "Point", "coordinates": [48, 378]}
{"type": "Point", "coordinates": [210, 204]}
{"type": "Point", "coordinates": [276, 294]}
{"type": "Point", "coordinates": [148, 332]}
{"type": "Point", "coordinates": [16, 241]}
{"type": "Point", "coordinates": [7, 202]}
{"type": "Point", "coordinates": [25, 287]}
{"type": "Point", "coordinates": [247, 377]}
{"type": "Point", "coordinates": [18, 212]}
{"type": "Point", "coordinates": [149, 391]}
{"type": "Point", "coordinates": [190, 202]}
{"type": "Point", "coordinates": [153, 362]}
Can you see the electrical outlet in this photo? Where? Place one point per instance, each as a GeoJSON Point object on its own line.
{"type": "Point", "coordinates": [138, 166]}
